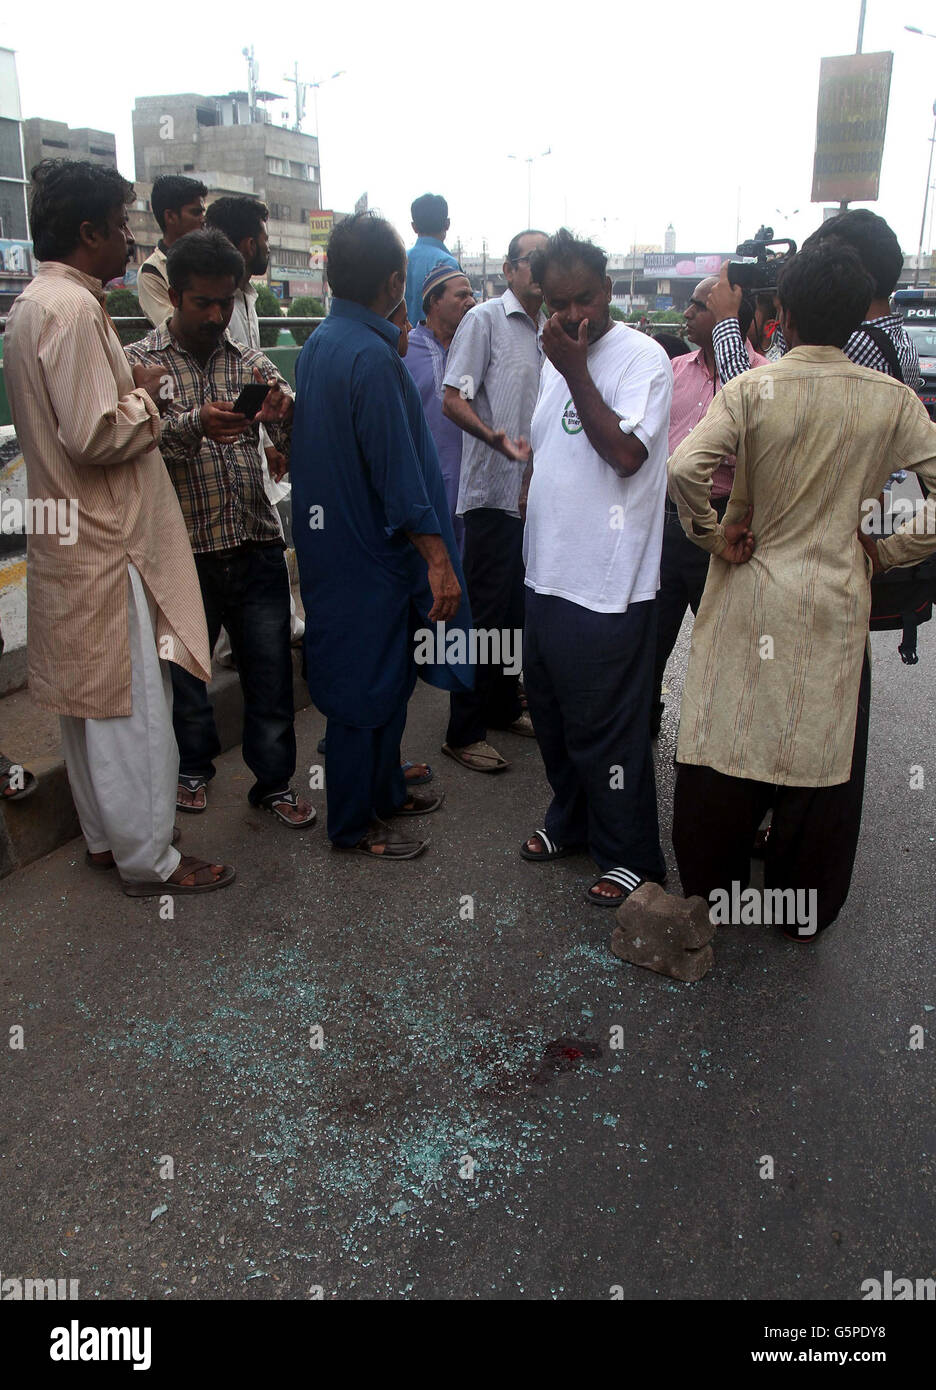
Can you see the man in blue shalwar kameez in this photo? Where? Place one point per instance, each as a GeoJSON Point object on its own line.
{"type": "Point", "coordinates": [378, 564]}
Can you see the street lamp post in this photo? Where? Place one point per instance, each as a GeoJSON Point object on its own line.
{"type": "Point", "coordinates": [528, 160]}
{"type": "Point", "coordinates": [315, 91]}
{"type": "Point", "coordinates": [929, 174]}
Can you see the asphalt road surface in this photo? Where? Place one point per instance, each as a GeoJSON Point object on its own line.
{"type": "Point", "coordinates": [332, 1077]}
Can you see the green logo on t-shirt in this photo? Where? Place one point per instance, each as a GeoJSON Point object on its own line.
{"type": "Point", "coordinates": [570, 420]}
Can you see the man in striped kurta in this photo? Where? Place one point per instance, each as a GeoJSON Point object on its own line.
{"type": "Point", "coordinates": [776, 703]}
{"type": "Point", "coordinates": [103, 611]}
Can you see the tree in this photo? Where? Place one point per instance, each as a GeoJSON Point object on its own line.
{"type": "Point", "coordinates": [268, 307]}
{"type": "Point", "coordinates": [667, 316]}
{"type": "Point", "coordinates": [617, 314]}
{"type": "Point", "coordinates": [305, 306]}
{"type": "Point", "coordinates": [123, 304]}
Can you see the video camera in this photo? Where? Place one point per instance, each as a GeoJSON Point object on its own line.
{"type": "Point", "coordinates": [755, 271]}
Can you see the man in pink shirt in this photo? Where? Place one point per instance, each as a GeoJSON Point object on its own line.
{"type": "Point", "coordinates": [684, 566]}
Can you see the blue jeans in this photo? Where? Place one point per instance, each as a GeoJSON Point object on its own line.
{"type": "Point", "coordinates": [247, 591]}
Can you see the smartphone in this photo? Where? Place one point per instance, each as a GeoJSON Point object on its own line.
{"type": "Point", "coordinates": [251, 398]}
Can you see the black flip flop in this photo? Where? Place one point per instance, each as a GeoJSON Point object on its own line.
{"type": "Point", "coordinates": [288, 798]}
{"type": "Point", "coordinates": [553, 851]}
{"type": "Point", "coordinates": [625, 879]}
{"type": "Point", "coordinates": [193, 785]}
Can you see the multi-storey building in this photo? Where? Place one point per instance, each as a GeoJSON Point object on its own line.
{"type": "Point", "coordinates": [232, 145]}
{"type": "Point", "coordinates": [44, 139]}
{"type": "Point", "coordinates": [16, 261]}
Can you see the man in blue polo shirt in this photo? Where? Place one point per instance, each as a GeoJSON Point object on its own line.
{"type": "Point", "coordinates": [430, 223]}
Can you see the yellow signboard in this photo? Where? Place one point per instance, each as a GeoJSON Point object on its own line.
{"type": "Point", "coordinates": [320, 227]}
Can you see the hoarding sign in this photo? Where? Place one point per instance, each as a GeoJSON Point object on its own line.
{"type": "Point", "coordinates": [850, 126]}
{"type": "Point", "coordinates": [676, 265]}
{"type": "Point", "coordinates": [320, 227]}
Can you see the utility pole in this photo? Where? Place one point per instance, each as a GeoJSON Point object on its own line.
{"type": "Point", "coordinates": [301, 89]}
{"type": "Point", "coordinates": [483, 269]}
{"type": "Point", "coordinates": [528, 159]}
{"type": "Point", "coordinates": [252, 75]}
{"type": "Point", "coordinates": [929, 174]}
{"type": "Point", "coordinates": [843, 205]}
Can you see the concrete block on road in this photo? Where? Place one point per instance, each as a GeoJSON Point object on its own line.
{"type": "Point", "coordinates": [664, 933]}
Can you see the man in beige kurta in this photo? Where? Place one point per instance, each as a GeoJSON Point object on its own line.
{"type": "Point", "coordinates": [104, 609]}
{"type": "Point", "coordinates": [776, 701]}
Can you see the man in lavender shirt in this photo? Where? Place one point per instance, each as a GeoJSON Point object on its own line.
{"type": "Point", "coordinates": [446, 298]}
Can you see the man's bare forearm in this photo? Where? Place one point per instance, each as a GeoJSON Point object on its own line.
{"type": "Point", "coordinates": [622, 452]}
{"type": "Point", "coordinates": [432, 548]}
{"type": "Point", "coordinates": [464, 415]}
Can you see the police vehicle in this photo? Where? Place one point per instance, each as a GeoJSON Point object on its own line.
{"type": "Point", "coordinates": [918, 309]}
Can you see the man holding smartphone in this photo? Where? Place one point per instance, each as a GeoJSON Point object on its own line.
{"type": "Point", "coordinates": [210, 448]}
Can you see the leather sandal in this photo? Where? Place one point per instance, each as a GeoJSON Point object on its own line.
{"type": "Point", "coordinates": [419, 804]}
{"type": "Point", "coordinates": [205, 882]}
{"type": "Point", "coordinates": [396, 846]}
{"type": "Point", "coordinates": [477, 757]}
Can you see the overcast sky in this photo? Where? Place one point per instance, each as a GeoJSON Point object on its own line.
{"type": "Point", "coordinates": [653, 115]}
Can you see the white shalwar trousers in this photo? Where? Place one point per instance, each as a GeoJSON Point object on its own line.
{"type": "Point", "coordinates": [124, 772]}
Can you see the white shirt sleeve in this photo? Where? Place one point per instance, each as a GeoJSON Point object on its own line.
{"type": "Point", "coordinates": [642, 399]}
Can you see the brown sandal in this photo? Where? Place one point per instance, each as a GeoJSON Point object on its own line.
{"type": "Point", "coordinates": [477, 757]}
{"type": "Point", "coordinates": [188, 866]}
{"type": "Point", "coordinates": [395, 845]}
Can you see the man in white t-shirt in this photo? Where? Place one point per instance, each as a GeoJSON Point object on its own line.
{"type": "Point", "coordinates": [594, 527]}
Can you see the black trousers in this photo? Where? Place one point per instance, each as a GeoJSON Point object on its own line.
{"type": "Point", "coordinates": [683, 572]}
{"type": "Point", "coordinates": [247, 591]}
{"type": "Point", "coordinates": [587, 678]}
{"type": "Point", "coordinates": [813, 832]}
{"type": "Point", "coordinates": [493, 565]}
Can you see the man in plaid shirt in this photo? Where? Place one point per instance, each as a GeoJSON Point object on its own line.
{"type": "Point", "coordinates": [880, 254]}
{"type": "Point", "coordinates": [212, 456]}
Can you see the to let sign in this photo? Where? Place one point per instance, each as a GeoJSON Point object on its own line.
{"type": "Point", "coordinates": [850, 126]}
{"type": "Point", "coordinates": [320, 227]}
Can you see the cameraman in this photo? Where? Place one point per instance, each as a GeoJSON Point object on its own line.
{"type": "Point", "coordinates": [880, 335]}
{"type": "Point", "coordinates": [683, 566]}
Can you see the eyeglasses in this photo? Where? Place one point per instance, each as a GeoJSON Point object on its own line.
{"type": "Point", "coordinates": [697, 304]}
{"type": "Point", "coordinates": [521, 260]}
